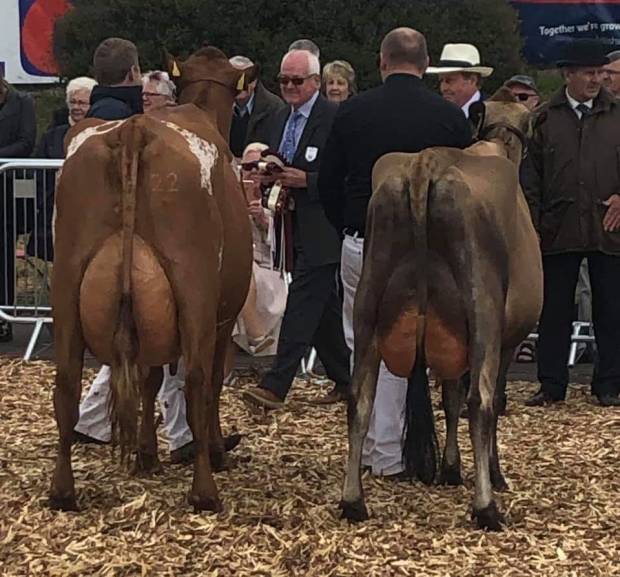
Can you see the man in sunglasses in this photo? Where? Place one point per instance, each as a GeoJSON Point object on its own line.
{"type": "Point", "coordinates": [524, 89]}
{"type": "Point", "coordinates": [313, 315]}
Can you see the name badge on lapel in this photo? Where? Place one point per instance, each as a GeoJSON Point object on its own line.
{"type": "Point", "coordinates": [311, 152]}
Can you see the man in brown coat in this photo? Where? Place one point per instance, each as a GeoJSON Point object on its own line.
{"type": "Point", "coordinates": [572, 182]}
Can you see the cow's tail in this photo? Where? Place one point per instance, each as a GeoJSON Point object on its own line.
{"type": "Point", "coordinates": [420, 447]}
{"type": "Point", "coordinates": [126, 378]}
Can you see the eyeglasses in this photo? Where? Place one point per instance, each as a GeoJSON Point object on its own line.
{"type": "Point", "coordinates": [151, 94]}
{"type": "Point", "coordinates": [522, 96]}
{"type": "Point", "coordinates": [81, 103]}
{"type": "Point", "coordinates": [294, 80]}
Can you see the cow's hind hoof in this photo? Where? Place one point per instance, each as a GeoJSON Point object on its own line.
{"type": "Point", "coordinates": [204, 503]}
{"type": "Point", "coordinates": [146, 464]}
{"type": "Point", "coordinates": [450, 476]}
{"type": "Point", "coordinates": [62, 503]}
{"type": "Point", "coordinates": [489, 518]}
{"type": "Point", "coordinates": [355, 511]}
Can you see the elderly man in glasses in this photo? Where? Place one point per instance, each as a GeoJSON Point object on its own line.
{"type": "Point", "coordinates": [611, 79]}
{"type": "Point", "coordinates": [313, 316]}
{"type": "Point", "coordinates": [524, 89]}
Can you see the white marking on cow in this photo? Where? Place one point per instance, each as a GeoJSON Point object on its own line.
{"type": "Point", "coordinates": [204, 151]}
{"type": "Point", "coordinates": [87, 133]}
{"type": "Point", "coordinates": [220, 256]}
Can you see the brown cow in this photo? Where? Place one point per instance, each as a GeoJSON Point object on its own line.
{"type": "Point", "coordinates": [452, 280]}
{"type": "Point", "coordinates": [152, 261]}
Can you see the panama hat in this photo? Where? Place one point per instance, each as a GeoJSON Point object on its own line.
{"type": "Point", "coordinates": [460, 58]}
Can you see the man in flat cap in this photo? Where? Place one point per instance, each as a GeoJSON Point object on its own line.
{"type": "Point", "coordinates": [571, 179]}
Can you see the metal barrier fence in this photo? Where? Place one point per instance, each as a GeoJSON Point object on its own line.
{"type": "Point", "coordinates": [26, 206]}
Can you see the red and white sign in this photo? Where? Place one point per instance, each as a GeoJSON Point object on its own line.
{"type": "Point", "coordinates": [26, 40]}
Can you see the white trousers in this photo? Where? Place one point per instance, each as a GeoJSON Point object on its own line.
{"type": "Point", "coordinates": [382, 449]}
{"type": "Point", "coordinates": [95, 421]}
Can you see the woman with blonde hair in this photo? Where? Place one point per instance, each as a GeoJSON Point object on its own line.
{"type": "Point", "coordinates": [338, 81]}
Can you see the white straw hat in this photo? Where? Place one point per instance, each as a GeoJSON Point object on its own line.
{"type": "Point", "coordinates": [460, 58]}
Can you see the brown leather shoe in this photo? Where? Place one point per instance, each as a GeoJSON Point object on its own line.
{"type": "Point", "coordinates": [334, 396]}
{"type": "Point", "coordinates": [263, 398]}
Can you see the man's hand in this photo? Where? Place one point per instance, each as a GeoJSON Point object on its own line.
{"type": "Point", "coordinates": [611, 220]}
{"type": "Point", "coordinates": [293, 178]}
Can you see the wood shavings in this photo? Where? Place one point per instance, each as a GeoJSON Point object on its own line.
{"type": "Point", "coordinates": [280, 499]}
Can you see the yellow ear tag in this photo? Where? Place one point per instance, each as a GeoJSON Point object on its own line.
{"type": "Point", "coordinates": [241, 82]}
{"type": "Point", "coordinates": [175, 69]}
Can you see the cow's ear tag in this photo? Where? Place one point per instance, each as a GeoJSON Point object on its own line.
{"type": "Point", "coordinates": [176, 73]}
{"type": "Point", "coordinates": [241, 82]}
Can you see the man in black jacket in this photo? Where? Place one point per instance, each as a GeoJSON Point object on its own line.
{"type": "Point", "coordinates": [252, 111]}
{"type": "Point", "coordinates": [313, 315]}
{"type": "Point", "coordinates": [402, 115]}
{"type": "Point", "coordinates": [17, 138]}
{"type": "Point", "coordinates": [117, 70]}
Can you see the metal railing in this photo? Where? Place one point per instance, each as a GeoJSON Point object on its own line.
{"type": "Point", "coordinates": [26, 205]}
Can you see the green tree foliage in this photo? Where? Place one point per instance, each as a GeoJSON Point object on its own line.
{"type": "Point", "coordinates": [262, 29]}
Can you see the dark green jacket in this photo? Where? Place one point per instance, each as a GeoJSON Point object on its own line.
{"type": "Point", "coordinates": [572, 167]}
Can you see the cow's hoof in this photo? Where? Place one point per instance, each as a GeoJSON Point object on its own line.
{"type": "Point", "coordinates": [499, 483]}
{"type": "Point", "coordinates": [489, 518]}
{"type": "Point", "coordinates": [202, 503]}
{"type": "Point", "coordinates": [450, 475]}
{"type": "Point", "coordinates": [58, 503]}
{"type": "Point", "coordinates": [355, 511]}
{"type": "Point", "coordinates": [146, 464]}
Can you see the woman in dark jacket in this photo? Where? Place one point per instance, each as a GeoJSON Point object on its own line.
{"type": "Point", "coordinates": [51, 146]}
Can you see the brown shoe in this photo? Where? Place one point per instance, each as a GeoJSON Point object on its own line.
{"type": "Point", "coordinates": [334, 396]}
{"type": "Point", "coordinates": [263, 398]}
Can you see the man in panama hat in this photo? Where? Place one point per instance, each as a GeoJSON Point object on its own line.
{"type": "Point", "coordinates": [460, 74]}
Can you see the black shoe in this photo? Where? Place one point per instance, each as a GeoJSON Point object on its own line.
{"type": "Point", "coordinates": [82, 439]}
{"type": "Point", "coordinates": [608, 400]}
{"type": "Point", "coordinates": [540, 399]}
{"type": "Point", "coordinates": [6, 332]}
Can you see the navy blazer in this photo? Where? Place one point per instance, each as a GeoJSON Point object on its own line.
{"type": "Point", "coordinates": [320, 242]}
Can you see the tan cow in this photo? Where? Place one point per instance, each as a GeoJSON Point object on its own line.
{"type": "Point", "coordinates": [152, 261]}
{"type": "Point", "coordinates": [452, 280]}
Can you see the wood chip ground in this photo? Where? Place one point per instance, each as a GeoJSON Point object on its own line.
{"type": "Point", "coordinates": [281, 516]}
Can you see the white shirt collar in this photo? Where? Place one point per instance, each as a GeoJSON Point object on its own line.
{"type": "Point", "coordinates": [474, 98]}
{"type": "Point", "coordinates": [306, 107]}
{"type": "Point", "coordinates": [575, 103]}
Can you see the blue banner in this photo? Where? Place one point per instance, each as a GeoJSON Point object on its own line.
{"type": "Point", "coordinates": [545, 24]}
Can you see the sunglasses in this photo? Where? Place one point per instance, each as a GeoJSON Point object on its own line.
{"type": "Point", "coordinates": [522, 96]}
{"type": "Point", "coordinates": [294, 80]}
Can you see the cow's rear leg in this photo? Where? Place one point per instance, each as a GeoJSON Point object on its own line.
{"type": "Point", "coordinates": [485, 369]}
{"type": "Point", "coordinates": [359, 409]}
{"type": "Point", "coordinates": [147, 461]}
{"type": "Point", "coordinates": [497, 479]}
{"type": "Point", "coordinates": [217, 451]}
{"type": "Point", "coordinates": [203, 495]}
{"type": "Point", "coordinates": [453, 397]}
{"type": "Point", "coordinates": [69, 359]}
